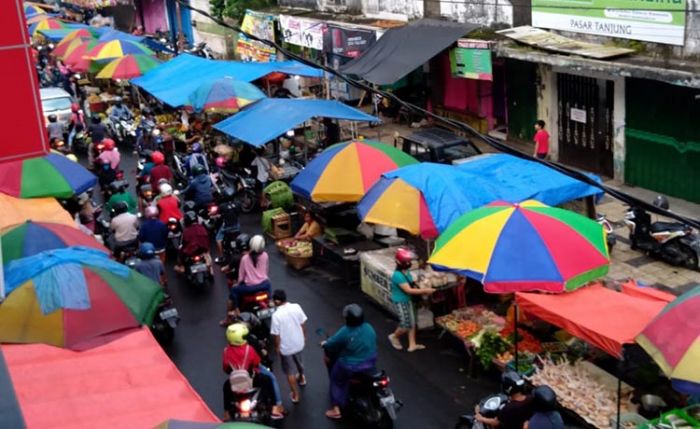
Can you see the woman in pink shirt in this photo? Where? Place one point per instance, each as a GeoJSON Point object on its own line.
{"type": "Point", "coordinates": [252, 276]}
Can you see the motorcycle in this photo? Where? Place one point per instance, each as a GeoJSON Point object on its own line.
{"type": "Point", "coordinates": [80, 142]}
{"type": "Point", "coordinates": [672, 242]}
{"type": "Point", "coordinates": [201, 50]}
{"type": "Point", "coordinates": [196, 270]}
{"type": "Point", "coordinates": [123, 130]}
{"type": "Point", "coordinates": [179, 171]}
{"type": "Point", "coordinates": [259, 304]}
{"type": "Point", "coordinates": [489, 407]}
{"type": "Point", "coordinates": [146, 196]}
{"type": "Point", "coordinates": [174, 236]}
{"type": "Point", "coordinates": [246, 196]}
{"type": "Point", "coordinates": [371, 402]}
{"type": "Point", "coordinates": [610, 236]}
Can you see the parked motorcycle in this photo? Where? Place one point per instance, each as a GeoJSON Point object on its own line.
{"type": "Point", "coordinates": [201, 50]}
{"type": "Point", "coordinates": [246, 196]}
{"type": "Point", "coordinates": [610, 236]}
{"type": "Point", "coordinates": [672, 242]}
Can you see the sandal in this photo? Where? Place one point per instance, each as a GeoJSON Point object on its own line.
{"type": "Point", "coordinates": [416, 347]}
{"type": "Point", "coordinates": [291, 396]}
{"type": "Point", "coordinates": [332, 415]}
{"type": "Point", "coordinates": [277, 414]}
{"type": "Point", "coordinates": [301, 380]}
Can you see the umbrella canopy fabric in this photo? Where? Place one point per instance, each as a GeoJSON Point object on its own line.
{"type": "Point", "coordinates": [345, 171]}
{"type": "Point", "coordinates": [128, 66]}
{"type": "Point", "coordinates": [31, 10]}
{"type": "Point", "coordinates": [523, 247]}
{"type": "Point", "coordinates": [225, 95]}
{"type": "Point", "coordinates": [16, 211]}
{"type": "Point", "coordinates": [46, 24]}
{"type": "Point", "coordinates": [66, 297]}
{"type": "Point", "coordinates": [66, 45]}
{"type": "Point", "coordinates": [184, 424]}
{"type": "Point", "coordinates": [76, 54]}
{"type": "Point", "coordinates": [30, 238]}
{"type": "Point", "coordinates": [672, 339]}
{"type": "Point", "coordinates": [116, 49]}
{"type": "Point", "coordinates": [51, 175]}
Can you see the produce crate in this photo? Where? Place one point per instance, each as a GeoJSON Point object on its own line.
{"type": "Point", "coordinates": [280, 194]}
{"type": "Point", "coordinates": [297, 262]}
{"type": "Point", "coordinates": [281, 226]}
{"type": "Point", "coordinates": [628, 419]}
{"type": "Point", "coordinates": [267, 219]}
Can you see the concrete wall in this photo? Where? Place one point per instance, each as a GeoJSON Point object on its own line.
{"type": "Point", "coordinates": [219, 39]}
{"type": "Point", "coordinates": [486, 13]}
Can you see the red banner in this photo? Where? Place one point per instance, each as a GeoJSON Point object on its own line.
{"type": "Point", "coordinates": [24, 134]}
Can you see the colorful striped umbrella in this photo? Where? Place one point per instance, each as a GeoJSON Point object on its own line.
{"type": "Point", "coordinates": [523, 247]}
{"type": "Point", "coordinates": [66, 297]}
{"type": "Point", "coordinates": [116, 49]}
{"type": "Point", "coordinates": [64, 47]}
{"type": "Point", "coordinates": [50, 175]}
{"type": "Point", "coordinates": [71, 39]}
{"type": "Point", "coordinates": [77, 52]}
{"type": "Point", "coordinates": [672, 339]}
{"type": "Point", "coordinates": [184, 424]}
{"type": "Point", "coordinates": [31, 10]}
{"type": "Point", "coordinates": [128, 66]}
{"type": "Point", "coordinates": [345, 171]}
{"type": "Point", "coordinates": [46, 24]}
{"type": "Point", "coordinates": [393, 202]}
{"type": "Point", "coordinates": [30, 238]}
{"type": "Point", "coordinates": [225, 95]}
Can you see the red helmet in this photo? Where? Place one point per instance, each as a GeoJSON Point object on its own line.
{"type": "Point", "coordinates": [158, 158]}
{"type": "Point", "coordinates": [74, 107]}
{"type": "Point", "coordinates": [404, 257]}
{"type": "Point", "coordinates": [220, 162]}
{"type": "Point", "coordinates": [108, 144]}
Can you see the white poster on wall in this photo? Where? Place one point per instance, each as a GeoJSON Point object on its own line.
{"type": "Point", "coordinates": [302, 32]}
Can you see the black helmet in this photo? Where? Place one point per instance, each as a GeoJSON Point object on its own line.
{"type": "Point", "coordinates": [544, 399]}
{"type": "Point", "coordinates": [189, 206]}
{"type": "Point", "coordinates": [119, 207]}
{"type": "Point", "coordinates": [227, 194]}
{"type": "Point", "coordinates": [53, 118]}
{"type": "Point", "coordinates": [118, 186]}
{"type": "Point", "coordinates": [190, 218]}
{"type": "Point", "coordinates": [198, 170]}
{"type": "Point", "coordinates": [353, 315]}
{"type": "Point", "coordinates": [243, 242]}
{"type": "Point", "coordinates": [96, 119]}
{"type": "Point", "coordinates": [661, 202]}
{"type": "Point", "coordinates": [512, 382]}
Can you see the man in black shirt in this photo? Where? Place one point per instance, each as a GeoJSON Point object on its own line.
{"type": "Point", "coordinates": [517, 411]}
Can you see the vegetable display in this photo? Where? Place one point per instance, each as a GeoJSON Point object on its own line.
{"type": "Point", "coordinates": [490, 346]}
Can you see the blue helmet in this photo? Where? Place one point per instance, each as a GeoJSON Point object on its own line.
{"type": "Point", "coordinates": [197, 148]}
{"type": "Point", "coordinates": [147, 250]}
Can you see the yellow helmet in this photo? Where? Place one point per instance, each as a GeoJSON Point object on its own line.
{"type": "Point", "coordinates": [72, 157]}
{"type": "Point", "coordinates": [236, 334]}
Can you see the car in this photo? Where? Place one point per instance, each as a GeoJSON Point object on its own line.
{"type": "Point", "coordinates": [439, 145]}
{"type": "Point", "coordinates": [55, 101]}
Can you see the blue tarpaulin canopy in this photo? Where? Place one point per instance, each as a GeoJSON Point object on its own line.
{"type": "Point", "coordinates": [173, 81]}
{"type": "Point", "coordinates": [450, 191]}
{"type": "Point", "coordinates": [271, 117]}
{"type": "Point", "coordinates": [112, 34]}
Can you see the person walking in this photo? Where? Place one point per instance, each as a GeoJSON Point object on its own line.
{"type": "Point", "coordinates": [288, 328]}
{"type": "Point", "coordinates": [541, 140]}
{"type": "Point", "coordinates": [402, 290]}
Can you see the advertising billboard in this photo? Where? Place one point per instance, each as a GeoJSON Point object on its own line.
{"type": "Point", "coordinates": [650, 21]}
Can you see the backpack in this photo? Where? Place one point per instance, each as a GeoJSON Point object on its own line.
{"type": "Point", "coordinates": [240, 378]}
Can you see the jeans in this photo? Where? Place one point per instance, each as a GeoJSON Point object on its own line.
{"type": "Point", "coordinates": [241, 290]}
{"type": "Point", "coordinates": [340, 379]}
{"type": "Point", "coordinates": [223, 230]}
{"type": "Point", "coordinates": [71, 136]}
{"type": "Point", "coordinates": [275, 386]}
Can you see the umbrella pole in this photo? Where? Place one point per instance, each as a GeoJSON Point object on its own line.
{"type": "Point", "coordinates": [620, 370]}
{"type": "Point", "coordinates": [2, 275]}
{"type": "Point", "coordinates": [515, 333]}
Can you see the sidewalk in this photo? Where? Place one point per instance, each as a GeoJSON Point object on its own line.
{"type": "Point", "coordinates": [626, 263]}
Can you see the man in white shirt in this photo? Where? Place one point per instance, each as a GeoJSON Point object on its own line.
{"type": "Point", "coordinates": [289, 331]}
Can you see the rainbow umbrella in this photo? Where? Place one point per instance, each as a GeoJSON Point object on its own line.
{"type": "Point", "coordinates": [67, 297]}
{"type": "Point", "coordinates": [345, 171]}
{"type": "Point", "coordinates": [77, 52]}
{"type": "Point", "coordinates": [46, 24]}
{"type": "Point", "coordinates": [128, 66]}
{"type": "Point", "coordinates": [523, 247]}
{"type": "Point", "coordinates": [31, 10]}
{"type": "Point", "coordinates": [116, 49]}
{"type": "Point", "coordinates": [672, 339]}
{"type": "Point", "coordinates": [72, 39]}
{"type": "Point", "coordinates": [225, 95]}
{"type": "Point", "coordinates": [51, 175]}
{"type": "Point", "coordinates": [30, 238]}
{"type": "Point", "coordinates": [184, 424]}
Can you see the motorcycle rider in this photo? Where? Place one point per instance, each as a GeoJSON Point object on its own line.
{"type": "Point", "coordinates": [160, 170]}
{"type": "Point", "coordinates": [241, 355]}
{"type": "Point", "coordinates": [124, 227]}
{"type": "Point", "coordinates": [119, 193]}
{"type": "Point", "coordinates": [253, 272]}
{"type": "Point", "coordinates": [77, 123]}
{"type": "Point", "coordinates": [517, 411]}
{"type": "Point", "coordinates": [168, 204]}
{"type": "Point", "coordinates": [544, 405]}
{"type": "Point", "coordinates": [54, 128]}
{"type": "Point", "coordinates": [97, 132]}
{"type": "Point", "coordinates": [243, 246]}
{"type": "Point", "coordinates": [108, 163]}
{"type": "Point", "coordinates": [120, 111]}
{"type": "Point", "coordinates": [154, 231]}
{"type": "Point", "coordinates": [351, 350]}
{"type": "Point", "coordinates": [196, 157]}
{"type": "Point", "coordinates": [150, 266]}
{"type": "Point", "coordinates": [200, 189]}
{"type": "Point", "coordinates": [229, 217]}
{"type": "Point", "coordinates": [144, 140]}
{"type": "Point", "coordinates": [195, 241]}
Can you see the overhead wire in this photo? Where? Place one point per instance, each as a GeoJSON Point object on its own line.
{"type": "Point", "coordinates": [493, 142]}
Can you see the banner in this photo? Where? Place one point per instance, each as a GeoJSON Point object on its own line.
{"type": "Point", "coordinates": [471, 59]}
{"type": "Point", "coordinates": [650, 21]}
{"type": "Point", "coordinates": [24, 134]}
{"type": "Point", "coordinates": [263, 26]}
{"type": "Point", "coordinates": [302, 32]}
{"type": "Point", "coordinates": [348, 42]}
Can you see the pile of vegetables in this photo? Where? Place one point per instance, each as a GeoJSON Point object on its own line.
{"type": "Point", "coordinates": [489, 344]}
{"type": "Point", "coordinates": [526, 341]}
{"type": "Point", "coordinates": [302, 249]}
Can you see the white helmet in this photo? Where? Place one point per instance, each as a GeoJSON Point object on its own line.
{"type": "Point", "coordinates": [257, 244]}
{"type": "Point", "coordinates": [165, 189]}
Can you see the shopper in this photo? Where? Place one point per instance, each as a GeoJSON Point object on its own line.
{"type": "Point", "coordinates": [402, 290]}
{"type": "Point", "coordinates": [288, 328]}
{"type": "Point", "coordinates": [541, 140]}
{"type": "Point", "coordinates": [517, 410]}
{"type": "Point", "coordinates": [544, 405]}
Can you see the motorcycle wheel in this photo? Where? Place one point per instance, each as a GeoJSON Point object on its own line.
{"type": "Point", "coordinates": [248, 201]}
{"type": "Point", "coordinates": [691, 258]}
{"type": "Point", "coordinates": [199, 279]}
{"type": "Point", "coordinates": [163, 332]}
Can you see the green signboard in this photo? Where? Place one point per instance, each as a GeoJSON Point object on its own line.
{"type": "Point", "coordinates": [471, 63]}
{"type": "Point", "coordinates": [661, 21]}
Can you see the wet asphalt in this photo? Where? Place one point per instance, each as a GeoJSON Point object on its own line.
{"type": "Point", "coordinates": [432, 383]}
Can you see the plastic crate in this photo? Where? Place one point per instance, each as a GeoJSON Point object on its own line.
{"type": "Point", "coordinates": [267, 219]}
{"type": "Point", "coordinates": [279, 194]}
{"type": "Point", "coordinates": [281, 226]}
{"type": "Point", "coordinates": [633, 418]}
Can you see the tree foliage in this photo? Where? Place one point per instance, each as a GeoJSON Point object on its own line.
{"type": "Point", "coordinates": [235, 9]}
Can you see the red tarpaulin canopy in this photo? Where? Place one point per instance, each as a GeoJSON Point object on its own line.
{"type": "Point", "coordinates": [127, 383]}
{"type": "Point", "coordinates": [600, 316]}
